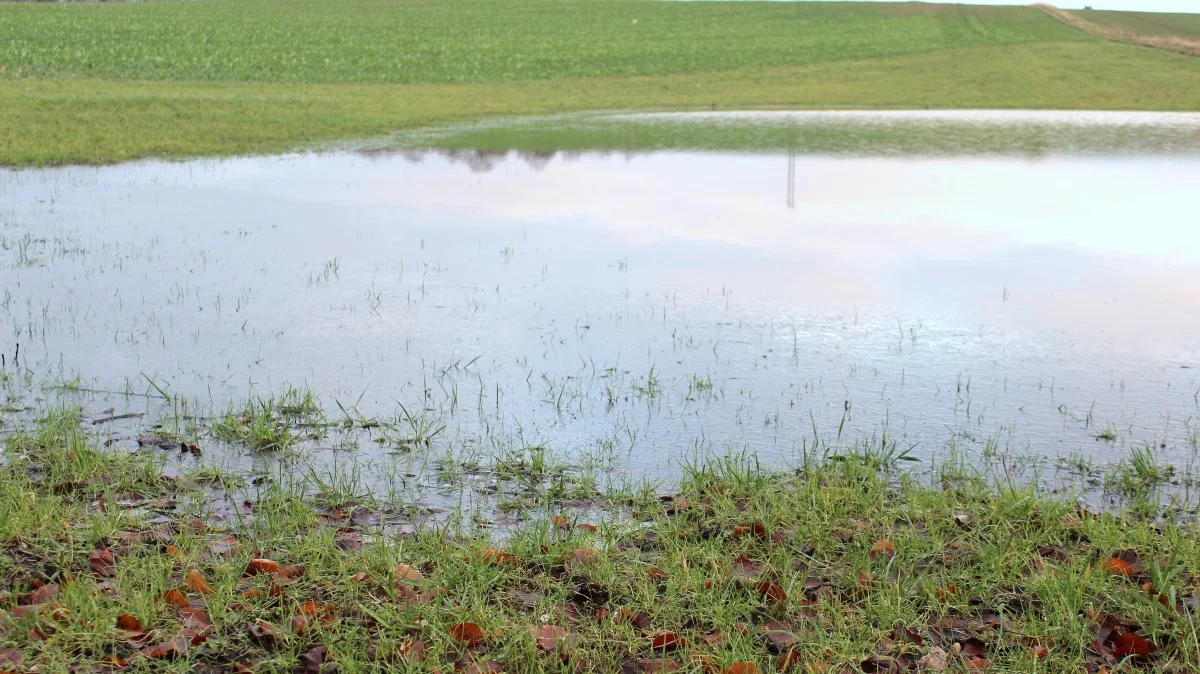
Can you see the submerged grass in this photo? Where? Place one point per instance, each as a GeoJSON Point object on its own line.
{"type": "Point", "coordinates": [272, 424]}
{"type": "Point", "coordinates": [836, 567]}
{"type": "Point", "coordinates": [214, 78]}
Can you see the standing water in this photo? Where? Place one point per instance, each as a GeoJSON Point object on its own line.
{"type": "Point", "coordinates": [670, 287]}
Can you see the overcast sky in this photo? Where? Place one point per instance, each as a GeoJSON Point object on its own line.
{"type": "Point", "coordinates": [1139, 5]}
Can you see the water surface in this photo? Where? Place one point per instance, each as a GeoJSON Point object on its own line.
{"type": "Point", "coordinates": [641, 306]}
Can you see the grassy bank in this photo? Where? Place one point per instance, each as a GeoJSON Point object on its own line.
{"type": "Point", "coordinates": [85, 121]}
{"type": "Point", "coordinates": [102, 83]}
{"type": "Point", "coordinates": [840, 567]}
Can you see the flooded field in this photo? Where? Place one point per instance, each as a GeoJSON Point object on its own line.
{"type": "Point", "coordinates": [627, 306]}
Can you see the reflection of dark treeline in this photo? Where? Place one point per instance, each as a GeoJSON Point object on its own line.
{"type": "Point", "coordinates": [483, 161]}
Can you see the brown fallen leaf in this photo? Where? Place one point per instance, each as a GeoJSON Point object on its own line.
{"type": "Point", "coordinates": [741, 668]}
{"type": "Point", "coordinates": [299, 624]}
{"type": "Point", "coordinates": [266, 634]}
{"type": "Point", "coordinates": [348, 540]}
{"type": "Point", "coordinates": [879, 663]}
{"type": "Point", "coordinates": [972, 647]}
{"type": "Point", "coordinates": [1130, 644]}
{"type": "Point", "coordinates": [102, 562]}
{"type": "Point", "coordinates": [590, 528]}
{"type": "Point", "coordinates": [312, 609]}
{"type": "Point", "coordinates": [176, 598]}
{"type": "Point", "coordinates": [550, 637]}
{"type": "Point", "coordinates": [308, 612]}
{"type": "Point", "coordinates": [744, 568]}
{"type": "Point", "coordinates": [195, 581]}
{"type": "Point", "coordinates": [674, 504]}
{"type": "Point", "coordinates": [24, 610]}
{"type": "Point", "coordinates": [257, 566]}
{"type": "Point", "coordinates": [757, 530]}
{"type": "Point", "coordinates": [667, 641]}
{"type": "Point", "coordinates": [129, 623]}
{"type": "Point", "coordinates": [197, 626]}
{"type": "Point", "coordinates": [947, 593]}
{"type": "Point", "coordinates": [496, 557]}
{"type": "Point", "coordinates": [413, 651]}
{"type": "Point", "coordinates": [406, 572]}
{"type": "Point", "coordinates": [780, 635]}
{"type": "Point", "coordinates": [789, 661]}
{"type": "Point", "coordinates": [584, 555]}
{"type": "Point", "coordinates": [10, 659]}
{"type": "Point", "coordinates": [410, 595]}
{"type": "Point", "coordinates": [137, 640]}
{"type": "Point", "coordinates": [906, 635]}
{"type": "Point", "coordinates": [561, 522]}
{"type": "Point", "coordinates": [287, 573]}
{"type": "Point", "coordinates": [936, 660]}
{"type": "Point", "coordinates": [1117, 567]}
{"type": "Point", "coordinates": [224, 546]}
{"type": "Point", "coordinates": [467, 633]}
{"type": "Point", "coordinates": [977, 663]}
{"type": "Point", "coordinates": [43, 594]}
{"type": "Point", "coordinates": [771, 591]}
{"type": "Point", "coordinates": [883, 547]}
{"type": "Point", "coordinates": [314, 659]}
{"type": "Point", "coordinates": [175, 648]}
{"type": "Point", "coordinates": [1053, 552]}
{"type": "Point", "coordinates": [639, 619]}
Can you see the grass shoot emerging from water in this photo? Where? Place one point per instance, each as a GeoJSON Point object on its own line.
{"type": "Point", "coordinates": [837, 567]}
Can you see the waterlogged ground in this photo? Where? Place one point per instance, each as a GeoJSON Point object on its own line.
{"type": "Point", "coordinates": [1028, 294]}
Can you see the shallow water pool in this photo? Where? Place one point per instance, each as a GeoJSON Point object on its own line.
{"type": "Point", "coordinates": [646, 306]}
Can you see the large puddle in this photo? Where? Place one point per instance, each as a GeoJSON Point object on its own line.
{"type": "Point", "coordinates": [642, 308]}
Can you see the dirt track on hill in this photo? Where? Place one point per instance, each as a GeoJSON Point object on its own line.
{"type": "Point", "coordinates": [1179, 44]}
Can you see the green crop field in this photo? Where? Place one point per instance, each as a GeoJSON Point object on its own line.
{"type": "Point", "coordinates": [106, 82]}
{"type": "Point", "coordinates": [371, 41]}
{"type": "Point", "coordinates": [1147, 23]}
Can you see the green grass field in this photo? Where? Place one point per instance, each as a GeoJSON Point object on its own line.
{"type": "Point", "coordinates": [1147, 23]}
{"type": "Point", "coordinates": [108, 565]}
{"type": "Point", "coordinates": [97, 83]}
{"type": "Point", "coordinates": [314, 41]}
